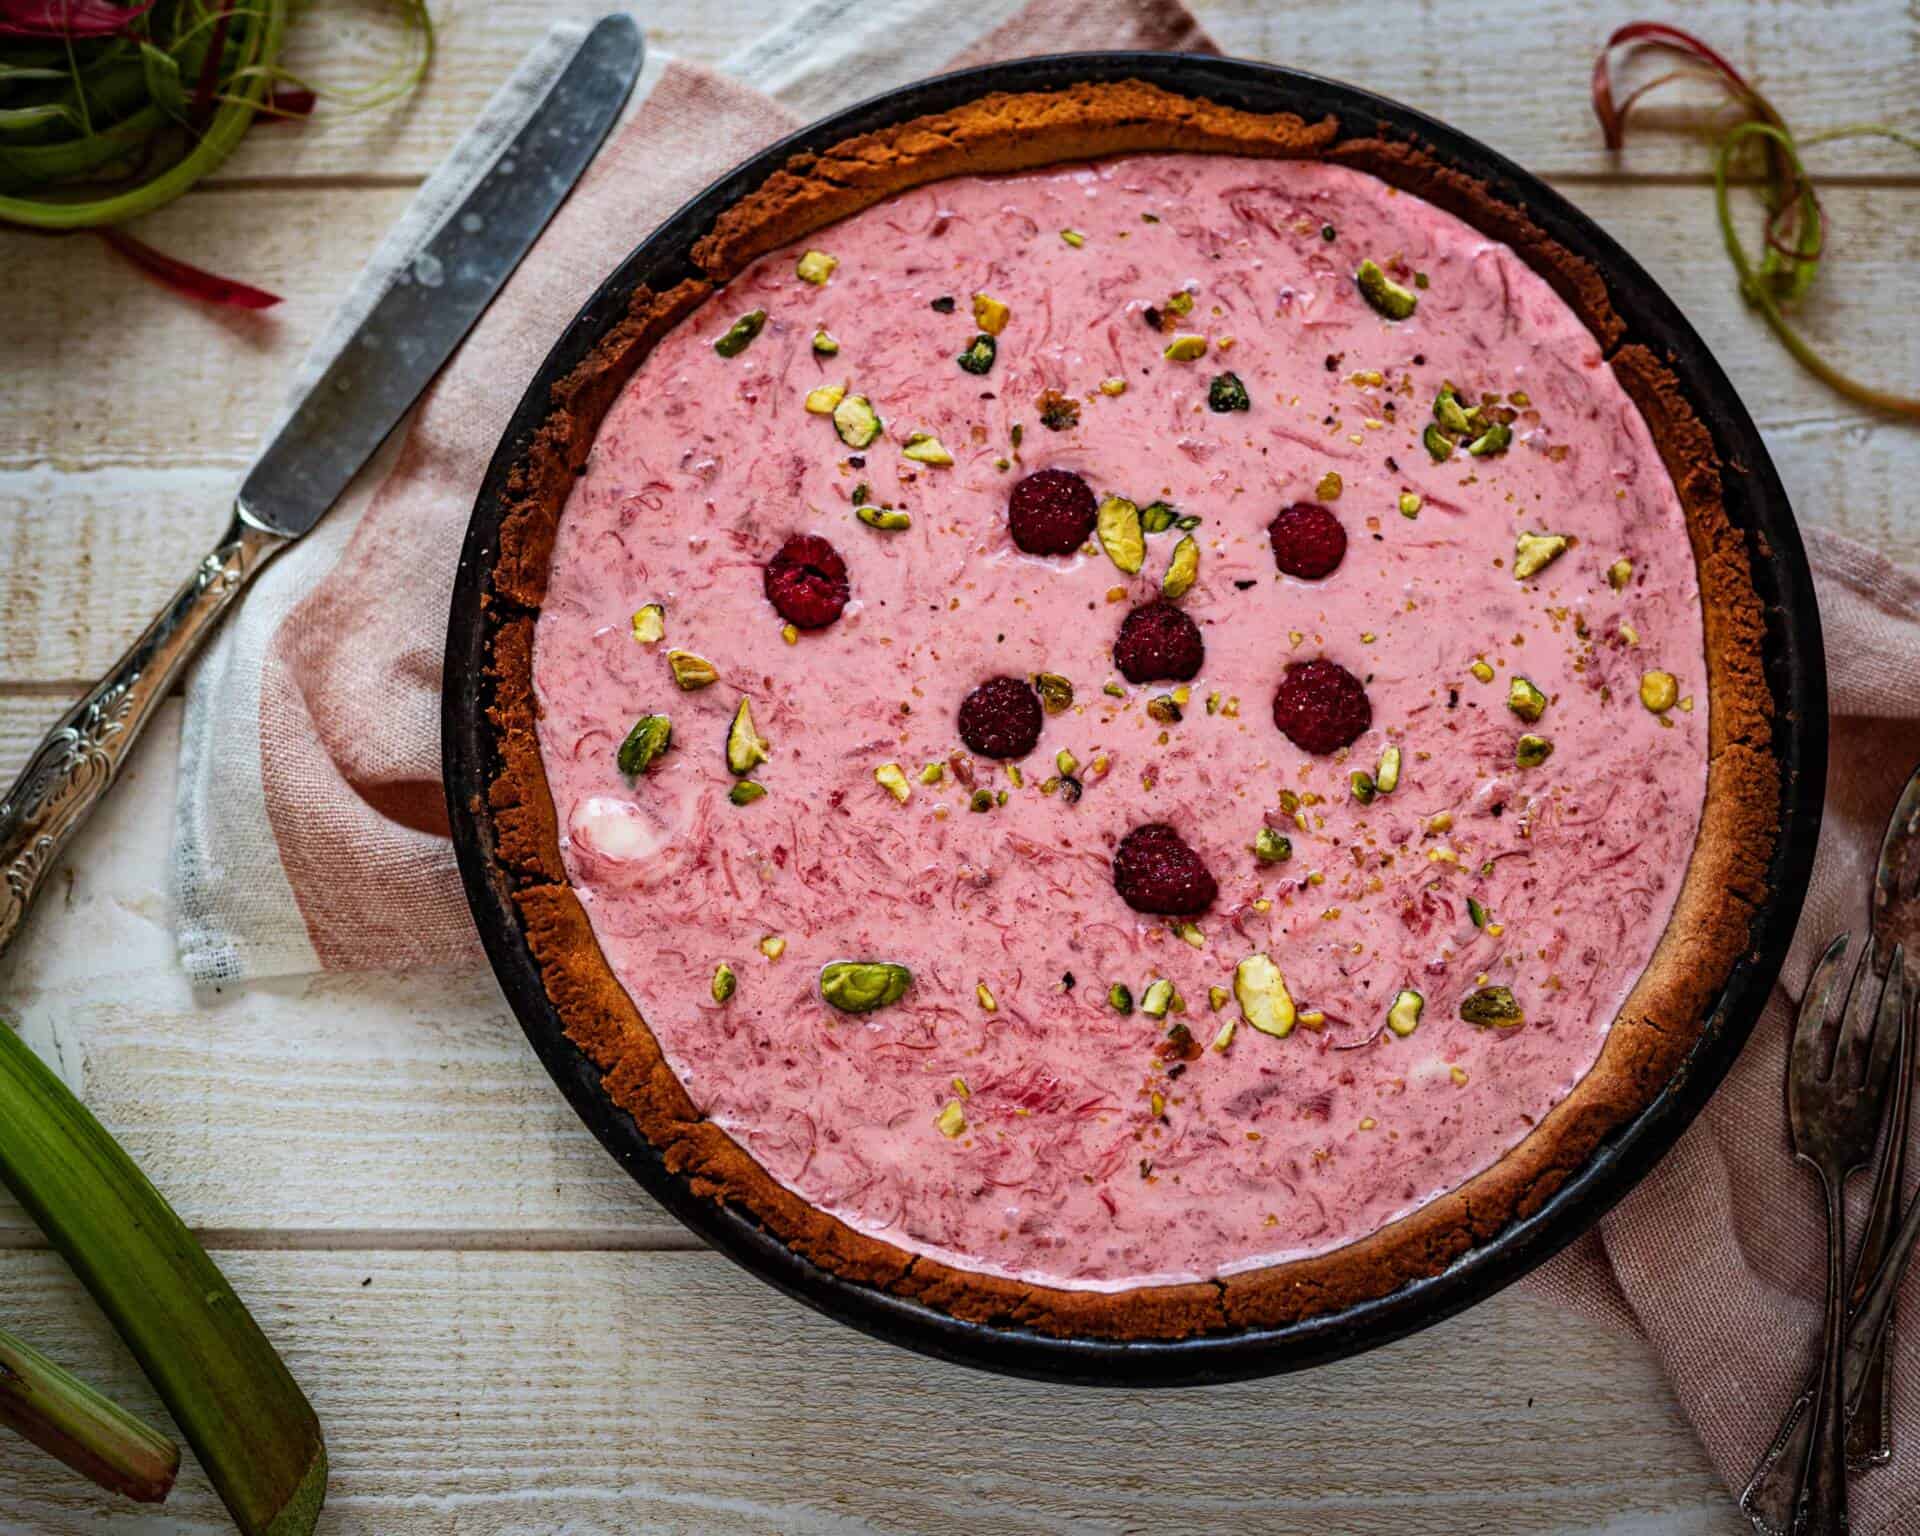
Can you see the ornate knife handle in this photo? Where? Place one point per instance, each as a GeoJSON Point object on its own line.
{"type": "Point", "coordinates": [80, 758]}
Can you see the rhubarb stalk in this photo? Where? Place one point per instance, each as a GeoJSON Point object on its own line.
{"type": "Point", "coordinates": [67, 1419]}
{"type": "Point", "coordinates": [232, 1397]}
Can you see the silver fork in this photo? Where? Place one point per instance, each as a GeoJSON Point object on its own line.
{"type": "Point", "coordinates": [1834, 1094]}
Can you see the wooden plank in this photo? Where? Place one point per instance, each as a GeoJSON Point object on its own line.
{"type": "Point", "coordinates": [323, 1108]}
{"type": "Point", "coordinates": [1514, 76]}
{"type": "Point", "coordinates": [131, 416]}
{"type": "Point", "coordinates": [486, 1394]}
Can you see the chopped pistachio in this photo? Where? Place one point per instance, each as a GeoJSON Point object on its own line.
{"type": "Point", "coordinates": [925, 448]}
{"type": "Point", "coordinates": [650, 624]}
{"type": "Point", "coordinates": [1534, 552]}
{"type": "Point", "coordinates": [952, 1120]}
{"type": "Point", "coordinates": [773, 946]}
{"type": "Point", "coordinates": [1362, 785]}
{"type": "Point", "coordinates": [1496, 439]}
{"type": "Point", "coordinates": [1330, 486]}
{"type": "Point", "coordinates": [1120, 997]}
{"type": "Point", "coordinates": [1225, 1038]}
{"type": "Point", "coordinates": [990, 314]}
{"type": "Point", "coordinates": [933, 773]}
{"type": "Point", "coordinates": [1217, 998]}
{"type": "Point", "coordinates": [1448, 411]}
{"type": "Point", "coordinates": [790, 633]}
{"type": "Point", "coordinates": [860, 986]}
{"type": "Point", "coordinates": [1659, 691]}
{"type": "Point", "coordinates": [1619, 574]}
{"type": "Point", "coordinates": [1261, 992]}
{"type": "Point", "coordinates": [1531, 751]}
{"type": "Point", "coordinates": [1269, 847]}
{"type": "Point", "coordinates": [1386, 778]}
{"type": "Point", "coordinates": [825, 345]}
{"type": "Point", "coordinates": [1186, 349]}
{"type": "Point", "coordinates": [816, 267]}
{"type": "Point", "coordinates": [886, 519]}
{"type": "Point", "coordinates": [1073, 237]}
{"type": "Point", "coordinates": [983, 995]}
{"type": "Point", "coordinates": [746, 792]}
{"type": "Point", "coordinates": [980, 353]}
{"type": "Point", "coordinates": [857, 422]}
{"type": "Point", "coordinates": [1180, 302]}
{"type": "Point", "coordinates": [1157, 517]}
{"type": "Point", "coordinates": [1114, 690]}
{"type": "Point", "coordinates": [1120, 534]}
{"type": "Point", "coordinates": [1439, 445]}
{"type": "Point", "coordinates": [981, 800]}
{"type": "Point", "coordinates": [1477, 913]}
{"type": "Point", "coordinates": [1182, 569]}
{"type": "Point", "coordinates": [1525, 700]}
{"type": "Point", "coordinates": [740, 334]}
{"type": "Point", "coordinates": [1628, 633]}
{"type": "Point", "coordinates": [1015, 777]}
{"type": "Point", "coordinates": [890, 778]}
{"type": "Point", "coordinates": [1492, 1005]}
{"type": "Point", "coordinates": [1385, 295]}
{"type": "Point", "coordinates": [1482, 671]}
{"type": "Point", "coordinates": [1158, 999]}
{"type": "Point", "coordinates": [822, 401]}
{"type": "Point", "coordinates": [651, 735]}
{"type": "Point", "coordinates": [1066, 762]}
{"type": "Point", "coordinates": [1190, 934]}
{"type": "Point", "coordinates": [745, 748]}
{"type": "Point", "coordinates": [1162, 708]}
{"type": "Point", "coordinates": [691, 672]}
{"type": "Point", "coordinates": [724, 982]}
{"type": "Point", "coordinates": [1403, 1018]}
{"type": "Point", "coordinates": [1113, 386]}
{"type": "Point", "coordinates": [1056, 694]}
{"type": "Point", "coordinates": [1227, 393]}
{"type": "Point", "coordinates": [1410, 504]}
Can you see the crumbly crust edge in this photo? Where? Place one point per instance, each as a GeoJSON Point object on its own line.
{"type": "Point", "coordinates": [1658, 1025]}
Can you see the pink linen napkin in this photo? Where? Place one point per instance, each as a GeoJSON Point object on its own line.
{"type": "Point", "coordinates": [313, 832]}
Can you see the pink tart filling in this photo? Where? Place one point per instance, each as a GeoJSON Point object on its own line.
{"type": "Point", "coordinates": [1412, 828]}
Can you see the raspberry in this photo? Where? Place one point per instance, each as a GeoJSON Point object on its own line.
{"type": "Point", "coordinates": [1155, 871]}
{"type": "Point", "coordinates": [807, 582]}
{"type": "Point", "coordinates": [1157, 641]}
{"type": "Point", "coordinates": [1308, 540]}
{"type": "Point", "coordinates": [1001, 718]}
{"type": "Point", "coordinates": [1051, 512]}
{"type": "Point", "coordinates": [1321, 706]}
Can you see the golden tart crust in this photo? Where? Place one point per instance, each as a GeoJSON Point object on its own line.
{"type": "Point", "coordinates": [1664, 1014]}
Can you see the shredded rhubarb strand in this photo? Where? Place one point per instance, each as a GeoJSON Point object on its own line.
{"type": "Point", "coordinates": [1795, 232]}
{"type": "Point", "coordinates": [68, 19]}
{"type": "Point", "coordinates": [184, 278]}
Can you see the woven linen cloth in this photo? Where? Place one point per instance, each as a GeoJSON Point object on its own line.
{"type": "Point", "coordinates": [312, 830]}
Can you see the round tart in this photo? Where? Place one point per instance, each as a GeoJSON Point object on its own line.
{"type": "Point", "coordinates": [1138, 720]}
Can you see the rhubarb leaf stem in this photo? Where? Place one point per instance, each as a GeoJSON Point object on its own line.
{"type": "Point", "coordinates": [68, 1420]}
{"type": "Point", "coordinates": [233, 1398]}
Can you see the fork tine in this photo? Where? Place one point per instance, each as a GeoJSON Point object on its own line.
{"type": "Point", "coordinates": [1886, 1022]}
{"type": "Point", "coordinates": [1809, 1060]}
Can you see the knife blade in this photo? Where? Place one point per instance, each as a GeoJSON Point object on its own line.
{"type": "Point", "coordinates": [410, 330]}
{"type": "Point", "coordinates": [436, 298]}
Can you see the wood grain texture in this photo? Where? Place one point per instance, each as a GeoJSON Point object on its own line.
{"type": "Point", "coordinates": [537, 1394]}
{"type": "Point", "coordinates": [502, 1334]}
{"type": "Point", "coordinates": [1512, 72]}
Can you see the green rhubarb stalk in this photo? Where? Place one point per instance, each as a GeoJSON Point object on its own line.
{"type": "Point", "coordinates": [67, 1419]}
{"type": "Point", "coordinates": [231, 1395]}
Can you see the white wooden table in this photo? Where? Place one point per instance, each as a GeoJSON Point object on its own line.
{"type": "Point", "coordinates": [501, 1334]}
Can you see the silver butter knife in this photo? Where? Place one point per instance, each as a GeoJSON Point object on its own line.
{"type": "Point", "coordinates": [411, 330]}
